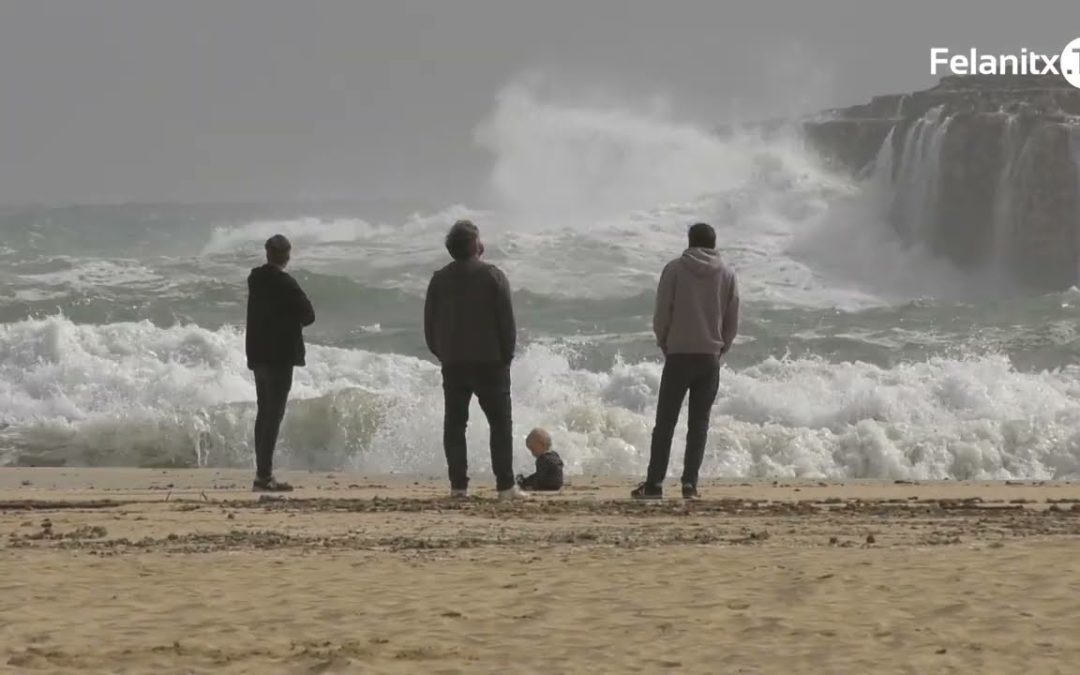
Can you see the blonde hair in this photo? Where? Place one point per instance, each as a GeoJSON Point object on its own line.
{"type": "Point", "coordinates": [539, 434]}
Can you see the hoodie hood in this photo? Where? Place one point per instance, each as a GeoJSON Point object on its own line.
{"type": "Point", "coordinates": [697, 304]}
{"type": "Point", "coordinates": [702, 261]}
{"type": "Point", "coordinates": [265, 270]}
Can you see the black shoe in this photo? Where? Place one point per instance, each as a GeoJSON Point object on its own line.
{"type": "Point", "coordinates": [689, 491]}
{"type": "Point", "coordinates": [270, 485]}
{"type": "Point", "coordinates": [647, 491]}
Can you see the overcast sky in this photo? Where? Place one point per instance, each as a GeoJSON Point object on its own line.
{"type": "Point", "coordinates": [233, 100]}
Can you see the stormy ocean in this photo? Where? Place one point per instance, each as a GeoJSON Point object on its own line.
{"type": "Point", "coordinates": [860, 354]}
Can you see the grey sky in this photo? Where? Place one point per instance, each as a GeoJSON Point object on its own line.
{"type": "Point", "coordinates": [231, 100]}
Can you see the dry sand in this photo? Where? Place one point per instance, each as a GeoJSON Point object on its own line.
{"type": "Point", "coordinates": [145, 571]}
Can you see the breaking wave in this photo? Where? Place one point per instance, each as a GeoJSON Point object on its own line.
{"type": "Point", "coordinates": [135, 394]}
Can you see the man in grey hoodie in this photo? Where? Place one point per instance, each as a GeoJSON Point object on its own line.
{"type": "Point", "coordinates": [695, 322]}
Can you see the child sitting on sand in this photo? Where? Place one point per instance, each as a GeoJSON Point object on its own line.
{"type": "Point", "coordinates": [549, 465]}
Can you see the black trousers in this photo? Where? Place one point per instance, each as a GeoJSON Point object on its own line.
{"type": "Point", "coordinates": [272, 385]}
{"type": "Point", "coordinates": [491, 385]}
{"type": "Point", "coordinates": [698, 374]}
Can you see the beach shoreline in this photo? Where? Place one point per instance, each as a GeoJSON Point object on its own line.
{"type": "Point", "coordinates": [160, 571]}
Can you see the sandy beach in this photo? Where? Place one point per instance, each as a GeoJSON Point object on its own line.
{"type": "Point", "coordinates": [149, 571]}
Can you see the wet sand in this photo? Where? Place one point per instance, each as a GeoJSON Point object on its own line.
{"type": "Point", "coordinates": [147, 571]}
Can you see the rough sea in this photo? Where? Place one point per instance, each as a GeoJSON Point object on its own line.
{"type": "Point", "coordinates": [121, 327]}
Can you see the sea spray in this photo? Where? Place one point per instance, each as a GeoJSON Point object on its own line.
{"type": "Point", "coordinates": [1005, 194]}
{"type": "Point", "coordinates": [914, 205]}
{"type": "Point", "coordinates": [578, 163]}
{"type": "Point", "coordinates": [859, 355]}
{"type": "Point", "coordinates": [133, 394]}
{"type": "Point", "coordinates": [1074, 147]}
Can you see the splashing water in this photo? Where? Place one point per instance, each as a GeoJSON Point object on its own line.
{"type": "Point", "coordinates": [853, 361]}
{"type": "Point", "coordinates": [136, 394]}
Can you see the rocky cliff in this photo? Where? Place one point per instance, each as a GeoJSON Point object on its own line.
{"type": "Point", "coordinates": [982, 169]}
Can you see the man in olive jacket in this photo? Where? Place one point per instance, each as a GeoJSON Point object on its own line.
{"type": "Point", "coordinates": [469, 327]}
{"type": "Point", "coordinates": [277, 311]}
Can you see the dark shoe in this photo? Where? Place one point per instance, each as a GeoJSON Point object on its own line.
{"type": "Point", "coordinates": [689, 491]}
{"type": "Point", "coordinates": [270, 485]}
{"type": "Point", "coordinates": [647, 491]}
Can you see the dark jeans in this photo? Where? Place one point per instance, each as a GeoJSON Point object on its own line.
{"type": "Point", "coordinates": [272, 385]}
{"type": "Point", "coordinates": [491, 384]}
{"type": "Point", "coordinates": [698, 374]}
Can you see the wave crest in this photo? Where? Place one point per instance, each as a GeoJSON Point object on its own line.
{"type": "Point", "coordinates": [134, 394]}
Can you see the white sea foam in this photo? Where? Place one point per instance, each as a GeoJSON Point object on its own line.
{"type": "Point", "coordinates": [314, 232]}
{"type": "Point", "coordinates": [590, 199]}
{"type": "Point", "coordinates": [133, 393]}
{"type": "Point", "coordinates": [90, 273]}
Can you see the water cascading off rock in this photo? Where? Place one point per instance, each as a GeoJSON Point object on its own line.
{"type": "Point", "coordinates": [982, 170]}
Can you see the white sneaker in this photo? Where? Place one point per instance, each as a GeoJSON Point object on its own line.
{"type": "Point", "coordinates": [514, 494]}
{"type": "Point", "coordinates": [461, 493]}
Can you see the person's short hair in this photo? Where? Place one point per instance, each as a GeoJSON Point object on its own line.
{"type": "Point", "coordinates": [539, 434]}
{"type": "Point", "coordinates": [702, 235]}
{"type": "Point", "coordinates": [278, 248]}
{"type": "Point", "coordinates": [461, 240]}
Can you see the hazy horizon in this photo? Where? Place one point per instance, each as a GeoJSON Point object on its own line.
{"type": "Point", "coordinates": [244, 101]}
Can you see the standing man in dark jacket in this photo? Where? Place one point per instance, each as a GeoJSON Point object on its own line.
{"type": "Point", "coordinates": [469, 327]}
{"type": "Point", "coordinates": [277, 311]}
{"type": "Point", "coordinates": [695, 322]}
